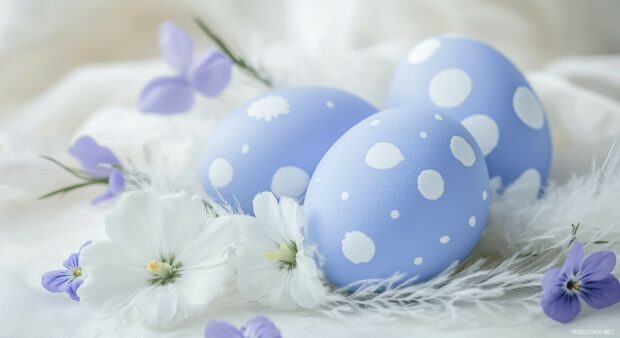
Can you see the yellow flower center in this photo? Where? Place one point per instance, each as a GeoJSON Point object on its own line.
{"type": "Point", "coordinates": [77, 272]}
{"type": "Point", "coordinates": [573, 285]}
{"type": "Point", "coordinates": [286, 255]}
{"type": "Point", "coordinates": [158, 267]}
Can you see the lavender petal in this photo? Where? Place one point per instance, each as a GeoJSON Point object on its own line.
{"type": "Point", "coordinates": [261, 327]}
{"type": "Point", "coordinates": [560, 306]}
{"type": "Point", "coordinates": [87, 243]}
{"type": "Point", "coordinates": [176, 47]}
{"type": "Point", "coordinates": [573, 260]}
{"type": "Point", "coordinates": [166, 95]}
{"type": "Point", "coordinates": [94, 158]}
{"type": "Point", "coordinates": [116, 185]}
{"type": "Point", "coordinates": [72, 262]}
{"type": "Point", "coordinates": [56, 280]}
{"type": "Point", "coordinates": [72, 288]}
{"type": "Point", "coordinates": [221, 329]}
{"type": "Point", "coordinates": [211, 74]}
{"type": "Point", "coordinates": [602, 293]}
{"type": "Point", "coordinates": [551, 279]}
{"type": "Point", "coordinates": [598, 265]}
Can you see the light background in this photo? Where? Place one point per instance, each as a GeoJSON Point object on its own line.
{"type": "Point", "coordinates": [73, 67]}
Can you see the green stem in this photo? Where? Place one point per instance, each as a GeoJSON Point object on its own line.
{"type": "Point", "coordinates": [73, 171]}
{"type": "Point", "coordinates": [239, 61]}
{"type": "Point", "coordinates": [75, 186]}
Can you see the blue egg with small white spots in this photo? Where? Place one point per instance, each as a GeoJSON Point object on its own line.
{"type": "Point", "coordinates": [405, 191]}
{"type": "Point", "coordinates": [478, 86]}
{"type": "Point", "coordinates": [274, 142]}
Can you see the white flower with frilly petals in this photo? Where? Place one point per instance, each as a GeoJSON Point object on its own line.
{"type": "Point", "coordinates": [272, 266]}
{"type": "Point", "coordinates": [165, 259]}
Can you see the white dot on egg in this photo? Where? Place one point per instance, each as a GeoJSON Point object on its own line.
{"type": "Point", "coordinates": [449, 88]}
{"type": "Point", "coordinates": [220, 173]}
{"type": "Point", "coordinates": [418, 261]}
{"type": "Point", "coordinates": [357, 247]}
{"type": "Point", "coordinates": [289, 181]}
{"type": "Point", "coordinates": [375, 122]}
{"type": "Point", "coordinates": [438, 117]}
{"type": "Point", "coordinates": [462, 151]}
{"type": "Point", "coordinates": [423, 134]}
{"type": "Point", "coordinates": [268, 108]}
{"type": "Point", "coordinates": [384, 155]}
{"type": "Point", "coordinates": [329, 104]}
{"type": "Point", "coordinates": [526, 187]}
{"type": "Point", "coordinates": [344, 195]}
{"type": "Point", "coordinates": [317, 181]}
{"type": "Point", "coordinates": [444, 239]}
{"type": "Point", "coordinates": [245, 149]}
{"type": "Point", "coordinates": [423, 51]}
{"type": "Point", "coordinates": [395, 214]}
{"type": "Point", "coordinates": [472, 221]}
{"type": "Point", "coordinates": [484, 130]}
{"type": "Point", "coordinates": [528, 108]}
{"type": "Point", "coordinates": [485, 194]}
{"type": "Point", "coordinates": [430, 184]}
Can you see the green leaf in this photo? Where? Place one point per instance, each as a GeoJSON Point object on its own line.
{"type": "Point", "coordinates": [73, 171]}
{"type": "Point", "coordinates": [238, 60]}
{"type": "Point", "coordinates": [75, 186]}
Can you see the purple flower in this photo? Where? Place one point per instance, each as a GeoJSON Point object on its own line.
{"type": "Point", "coordinates": [589, 279]}
{"type": "Point", "coordinates": [175, 94]}
{"type": "Point", "coordinates": [99, 162]}
{"type": "Point", "coordinates": [257, 327]}
{"type": "Point", "coordinates": [68, 279]}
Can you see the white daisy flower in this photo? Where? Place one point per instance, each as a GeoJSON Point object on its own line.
{"type": "Point", "coordinates": [268, 108]}
{"type": "Point", "coordinates": [165, 259]}
{"type": "Point", "coordinates": [272, 266]}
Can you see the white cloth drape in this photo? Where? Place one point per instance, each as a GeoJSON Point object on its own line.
{"type": "Point", "coordinates": [72, 67]}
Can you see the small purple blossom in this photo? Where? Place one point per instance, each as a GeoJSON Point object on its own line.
{"type": "Point", "coordinates": [589, 279]}
{"type": "Point", "coordinates": [257, 327]}
{"type": "Point", "coordinates": [209, 75]}
{"type": "Point", "coordinates": [68, 279]}
{"type": "Point", "coordinates": [99, 162]}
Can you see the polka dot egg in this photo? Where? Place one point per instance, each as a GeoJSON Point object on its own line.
{"type": "Point", "coordinates": [403, 191]}
{"type": "Point", "coordinates": [274, 142]}
{"type": "Point", "coordinates": [476, 85]}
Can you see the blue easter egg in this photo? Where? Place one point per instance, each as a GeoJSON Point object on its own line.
{"type": "Point", "coordinates": [404, 191]}
{"type": "Point", "coordinates": [478, 86]}
{"type": "Point", "coordinates": [274, 142]}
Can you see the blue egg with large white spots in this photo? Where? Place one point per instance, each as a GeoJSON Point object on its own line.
{"type": "Point", "coordinates": [274, 142]}
{"type": "Point", "coordinates": [476, 85]}
{"type": "Point", "coordinates": [405, 191]}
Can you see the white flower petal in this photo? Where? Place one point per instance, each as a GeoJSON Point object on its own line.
{"type": "Point", "coordinates": [292, 217]}
{"type": "Point", "coordinates": [144, 227]}
{"type": "Point", "coordinates": [109, 287]}
{"type": "Point", "coordinates": [156, 307]}
{"type": "Point", "coordinates": [199, 287]}
{"type": "Point", "coordinates": [267, 211]}
{"type": "Point", "coordinates": [108, 252]}
{"type": "Point", "coordinates": [280, 295]}
{"type": "Point", "coordinates": [212, 245]}
{"type": "Point", "coordinates": [135, 222]}
{"type": "Point", "coordinates": [255, 278]}
{"type": "Point", "coordinates": [185, 218]}
{"type": "Point", "coordinates": [253, 234]}
{"type": "Point", "coordinates": [306, 286]}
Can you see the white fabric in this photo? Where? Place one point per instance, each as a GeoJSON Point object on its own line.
{"type": "Point", "coordinates": [73, 67]}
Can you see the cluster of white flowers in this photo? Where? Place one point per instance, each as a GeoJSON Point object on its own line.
{"type": "Point", "coordinates": [167, 258]}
